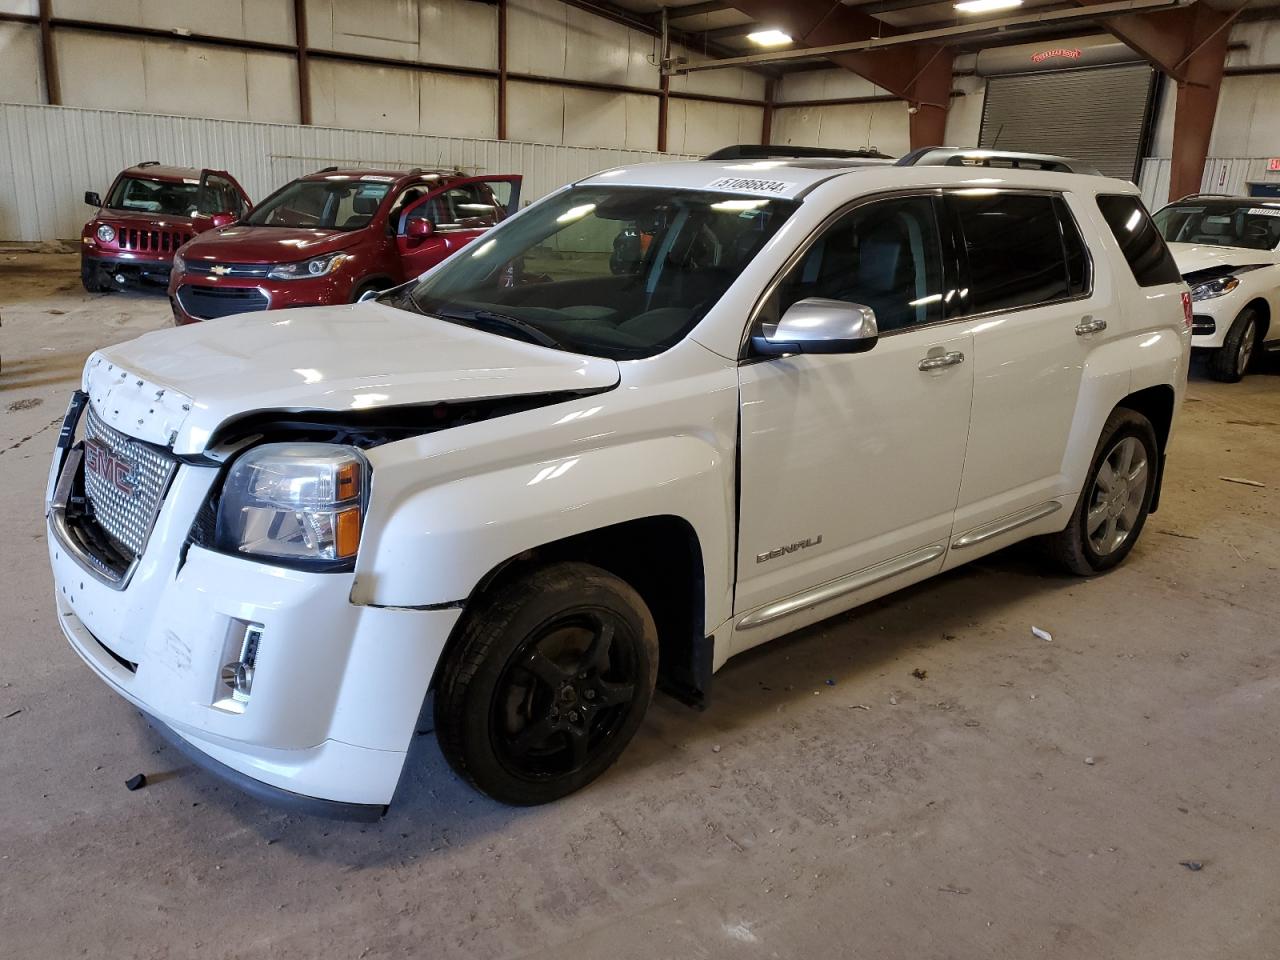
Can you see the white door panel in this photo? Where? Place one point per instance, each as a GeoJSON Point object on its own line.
{"type": "Point", "coordinates": [864, 451]}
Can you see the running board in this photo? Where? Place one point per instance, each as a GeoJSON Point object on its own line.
{"type": "Point", "coordinates": [1012, 522]}
{"type": "Point", "coordinates": [834, 589]}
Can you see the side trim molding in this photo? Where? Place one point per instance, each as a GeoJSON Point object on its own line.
{"type": "Point", "coordinates": [1003, 525]}
{"type": "Point", "coordinates": [833, 589]}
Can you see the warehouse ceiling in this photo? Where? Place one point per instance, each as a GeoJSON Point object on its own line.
{"type": "Point", "coordinates": [720, 29]}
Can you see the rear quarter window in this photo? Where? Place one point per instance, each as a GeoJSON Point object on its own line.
{"type": "Point", "coordinates": [1139, 240]}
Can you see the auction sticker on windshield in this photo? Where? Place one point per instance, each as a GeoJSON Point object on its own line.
{"type": "Point", "coordinates": [750, 185]}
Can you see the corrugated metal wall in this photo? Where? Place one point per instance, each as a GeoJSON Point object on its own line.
{"type": "Point", "coordinates": [1221, 175]}
{"type": "Point", "coordinates": [49, 156]}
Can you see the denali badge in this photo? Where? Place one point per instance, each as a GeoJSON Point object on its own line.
{"type": "Point", "coordinates": [789, 548]}
{"type": "Point", "coordinates": [117, 471]}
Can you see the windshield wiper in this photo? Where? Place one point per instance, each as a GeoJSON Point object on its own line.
{"type": "Point", "coordinates": [493, 319]}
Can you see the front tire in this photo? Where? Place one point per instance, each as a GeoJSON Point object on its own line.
{"type": "Point", "coordinates": [91, 278]}
{"type": "Point", "coordinates": [1230, 362]}
{"type": "Point", "coordinates": [548, 683]}
{"type": "Point", "coordinates": [1115, 500]}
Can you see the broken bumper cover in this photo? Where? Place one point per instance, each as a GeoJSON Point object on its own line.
{"type": "Point", "coordinates": [337, 691]}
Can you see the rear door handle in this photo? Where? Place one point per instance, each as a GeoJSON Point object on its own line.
{"type": "Point", "coordinates": [938, 361]}
{"type": "Point", "coordinates": [1088, 325]}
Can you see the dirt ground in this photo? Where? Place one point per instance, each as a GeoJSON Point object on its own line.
{"type": "Point", "coordinates": [1023, 799]}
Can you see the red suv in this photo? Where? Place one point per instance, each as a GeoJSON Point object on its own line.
{"type": "Point", "coordinates": [334, 236]}
{"type": "Point", "coordinates": [150, 211]}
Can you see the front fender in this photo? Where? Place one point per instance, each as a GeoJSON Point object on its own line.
{"type": "Point", "coordinates": [434, 545]}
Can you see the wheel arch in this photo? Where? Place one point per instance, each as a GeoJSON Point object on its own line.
{"type": "Point", "coordinates": [659, 556]}
{"type": "Point", "coordinates": [1262, 306]}
{"type": "Point", "coordinates": [1156, 403]}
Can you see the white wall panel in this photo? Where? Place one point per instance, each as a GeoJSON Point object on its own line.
{"type": "Point", "coordinates": [546, 38]}
{"type": "Point", "coordinates": [732, 82]}
{"type": "Point", "coordinates": [964, 118]}
{"type": "Point", "coordinates": [582, 118]}
{"type": "Point", "coordinates": [50, 155]}
{"type": "Point", "coordinates": [28, 8]}
{"type": "Point", "coordinates": [826, 85]}
{"type": "Point", "coordinates": [21, 80]}
{"type": "Point", "coordinates": [1248, 118]}
{"type": "Point", "coordinates": [697, 127]}
{"type": "Point", "coordinates": [882, 125]}
{"type": "Point", "coordinates": [267, 20]}
{"type": "Point", "coordinates": [457, 32]}
{"type": "Point", "coordinates": [402, 100]}
{"type": "Point", "coordinates": [168, 76]}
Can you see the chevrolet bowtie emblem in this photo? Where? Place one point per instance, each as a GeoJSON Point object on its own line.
{"type": "Point", "coordinates": [219, 270]}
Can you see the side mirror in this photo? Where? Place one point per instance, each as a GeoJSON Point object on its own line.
{"type": "Point", "coordinates": [419, 229]}
{"type": "Point", "coordinates": [92, 199]}
{"type": "Point", "coordinates": [222, 219]}
{"type": "Point", "coordinates": [814, 325]}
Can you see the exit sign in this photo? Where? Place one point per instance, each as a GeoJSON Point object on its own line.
{"type": "Point", "coordinates": [1273, 165]}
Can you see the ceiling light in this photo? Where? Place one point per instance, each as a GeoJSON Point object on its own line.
{"type": "Point", "coordinates": [773, 38]}
{"type": "Point", "coordinates": [987, 6]}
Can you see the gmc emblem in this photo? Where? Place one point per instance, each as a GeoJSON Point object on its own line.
{"type": "Point", "coordinates": [117, 471]}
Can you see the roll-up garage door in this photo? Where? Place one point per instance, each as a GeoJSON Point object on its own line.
{"type": "Point", "coordinates": [1099, 115]}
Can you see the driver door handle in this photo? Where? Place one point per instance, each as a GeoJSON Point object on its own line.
{"type": "Point", "coordinates": [1089, 324]}
{"type": "Point", "coordinates": [938, 361]}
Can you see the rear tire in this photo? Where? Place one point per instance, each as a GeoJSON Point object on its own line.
{"type": "Point", "coordinates": [548, 683]}
{"type": "Point", "coordinates": [1230, 362]}
{"type": "Point", "coordinates": [1115, 499]}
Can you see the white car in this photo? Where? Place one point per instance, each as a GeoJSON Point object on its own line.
{"type": "Point", "coordinates": [1228, 249]}
{"type": "Point", "coordinates": [664, 415]}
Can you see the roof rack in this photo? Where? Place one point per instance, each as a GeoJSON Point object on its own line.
{"type": "Point", "coordinates": [1220, 196]}
{"type": "Point", "coordinates": [756, 151]}
{"type": "Point", "coordinates": [956, 157]}
{"type": "Point", "coordinates": [148, 163]}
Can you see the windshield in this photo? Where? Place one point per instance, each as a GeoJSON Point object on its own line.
{"type": "Point", "coordinates": [1225, 223]}
{"type": "Point", "coordinates": [619, 272]}
{"type": "Point", "coordinates": [155, 196]}
{"type": "Point", "coordinates": [346, 203]}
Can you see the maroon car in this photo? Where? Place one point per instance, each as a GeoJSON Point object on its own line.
{"type": "Point", "coordinates": [150, 211]}
{"type": "Point", "coordinates": [333, 236]}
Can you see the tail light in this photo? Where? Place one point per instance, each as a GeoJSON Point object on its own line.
{"type": "Point", "coordinates": [1186, 309]}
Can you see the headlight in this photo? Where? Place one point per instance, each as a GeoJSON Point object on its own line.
{"type": "Point", "coordinates": [300, 502]}
{"type": "Point", "coordinates": [1214, 288]}
{"type": "Point", "coordinates": [179, 264]}
{"type": "Point", "coordinates": [315, 267]}
{"type": "Point", "coordinates": [106, 233]}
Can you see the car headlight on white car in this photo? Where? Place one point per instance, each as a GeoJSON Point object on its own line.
{"type": "Point", "coordinates": [315, 267]}
{"type": "Point", "coordinates": [1211, 289]}
{"type": "Point", "coordinates": [301, 503]}
{"type": "Point", "coordinates": [106, 232]}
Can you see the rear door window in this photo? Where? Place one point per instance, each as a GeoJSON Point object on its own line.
{"type": "Point", "coordinates": [1014, 244]}
{"type": "Point", "coordinates": [1139, 240]}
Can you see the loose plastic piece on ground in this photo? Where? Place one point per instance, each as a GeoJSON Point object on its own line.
{"type": "Point", "coordinates": [1192, 865]}
{"type": "Point", "coordinates": [1247, 483]}
{"type": "Point", "coordinates": [1044, 635]}
{"type": "Point", "coordinates": [136, 783]}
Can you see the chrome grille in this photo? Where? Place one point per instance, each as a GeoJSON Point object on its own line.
{"type": "Point", "coordinates": [125, 481]}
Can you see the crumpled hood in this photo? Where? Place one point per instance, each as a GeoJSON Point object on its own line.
{"type": "Point", "coordinates": [177, 386]}
{"type": "Point", "coordinates": [242, 244]}
{"type": "Point", "coordinates": [1193, 257]}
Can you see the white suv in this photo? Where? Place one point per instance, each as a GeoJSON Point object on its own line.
{"type": "Point", "coordinates": [1228, 249]}
{"type": "Point", "coordinates": [666, 414]}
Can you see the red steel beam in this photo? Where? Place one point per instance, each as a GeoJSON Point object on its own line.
{"type": "Point", "coordinates": [49, 59]}
{"type": "Point", "coordinates": [919, 74]}
{"type": "Point", "coordinates": [304, 65]}
{"type": "Point", "coordinates": [1189, 45]}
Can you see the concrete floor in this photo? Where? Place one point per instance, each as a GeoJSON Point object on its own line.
{"type": "Point", "coordinates": [886, 816]}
